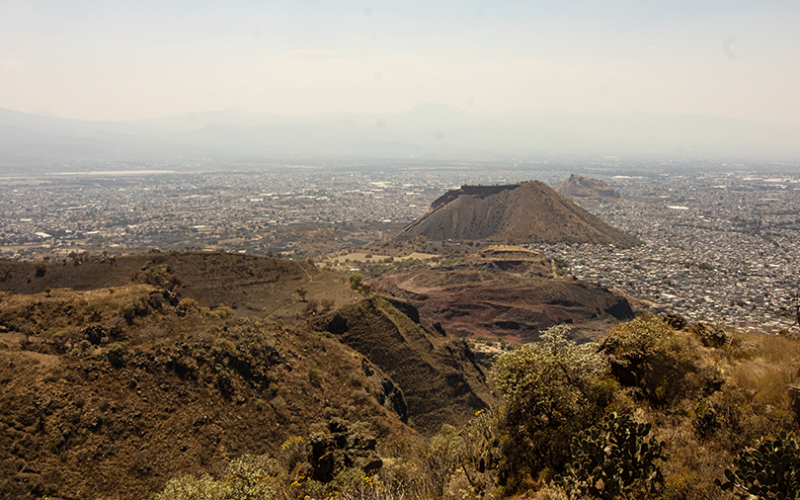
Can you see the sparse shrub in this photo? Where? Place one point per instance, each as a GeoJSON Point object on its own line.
{"type": "Point", "coordinates": [710, 335]}
{"type": "Point", "coordinates": [614, 460]}
{"type": "Point", "coordinates": [223, 379]}
{"type": "Point", "coordinates": [675, 321]}
{"type": "Point", "coordinates": [479, 454]}
{"type": "Point", "coordinates": [301, 292]}
{"type": "Point", "coordinates": [294, 451]}
{"type": "Point", "coordinates": [327, 335]}
{"type": "Point", "coordinates": [83, 349]}
{"type": "Point", "coordinates": [128, 311]}
{"type": "Point", "coordinates": [311, 307]}
{"type": "Point", "coordinates": [187, 305]}
{"type": "Point", "coordinates": [95, 334]}
{"type": "Point", "coordinates": [638, 337]}
{"type": "Point", "coordinates": [223, 348]}
{"type": "Point", "coordinates": [246, 477]}
{"type": "Point", "coordinates": [161, 276]}
{"type": "Point", "coordinates": [770, 472]}
{"type": "Point", "coordinates": [152, 333]}
{"type": "Point", "coordinates": [315, 377]}
{"type": "Point", "coordinates": [355, 280]}
{"type": "Point", "coordinates": [224, 311]}
{"type": "Point", "coordinates": [327, 305]}
{"type": "Point", "coordinates": [249, 477]}
{"type": "Point", "coordinates": [116, 353]}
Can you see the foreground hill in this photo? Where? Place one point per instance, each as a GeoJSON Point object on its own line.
{"type": "Point", "coordinates": [578, 187]}
{"type": "Point", "coordinates": [415, 356]}
{"type": "Point", "coordinates": [507, 291]}
{"type": "Point", "coordinates": [524, 212]}
{"type": "Point", "coordinates": [131, 377]}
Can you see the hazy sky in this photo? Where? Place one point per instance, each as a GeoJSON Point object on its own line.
{"type": "Point", "coordinates": [109, 59]}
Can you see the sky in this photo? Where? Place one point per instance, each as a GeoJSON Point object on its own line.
{"type": "Point", "coordinates": [123, 60]}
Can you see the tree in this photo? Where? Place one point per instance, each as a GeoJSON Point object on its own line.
{"type": "Point", "coordinates": [552, 391]}
{"type": "Point", "coordinates": [301, 292]}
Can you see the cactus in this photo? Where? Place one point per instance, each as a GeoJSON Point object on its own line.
{"type": "Point", "coordinates": [613, 460]}
{"type": "Point", "coordinates": [770, 472]}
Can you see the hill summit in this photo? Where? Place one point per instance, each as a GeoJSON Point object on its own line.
{"type": "Point", "coordinates": [527, 211]}
{"type": "Point", "coordinates": [579, 187]}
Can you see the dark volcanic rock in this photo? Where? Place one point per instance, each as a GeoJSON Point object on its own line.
{"type": "Point", "coordinates": [345, 447]}
{"type": "Point", "coordinates": [675, 321]}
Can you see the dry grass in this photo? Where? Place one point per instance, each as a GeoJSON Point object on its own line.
{"type": "Point", "coordinates": [111, 297]}
{"type": "Point", "coordinates": [767, 369]}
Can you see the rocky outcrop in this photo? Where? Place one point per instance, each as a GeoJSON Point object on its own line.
{"type": "Point", "coordinates": [710, 335]}
{"type": "Point", "coordinates": [675, 321]}
{"type": "Point", "coordinates": [388, 394]}
{"type": "Point", "coordinates": [347, 446]}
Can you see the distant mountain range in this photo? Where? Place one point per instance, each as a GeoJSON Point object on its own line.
{"type": "Point", "coordinates": [427, 129]}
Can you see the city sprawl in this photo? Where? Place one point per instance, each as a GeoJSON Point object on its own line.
{"type": "Point", "coordinates": [719, 246]}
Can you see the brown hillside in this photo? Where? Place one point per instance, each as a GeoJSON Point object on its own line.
{"type": "Point", "coordinates": [92, 406]}
{"type": "Point", "coordinates": [528, 212]}
{"type": "Point", "coordinates": [429, 365]}
{"type": "Point", "coordinates": [579, 187]}
{"type": "Point", "coordinates": [112, 389]}
{"type": "Point", "coordinates": [509, 292]}
{"type": "Point", "coordinates": [251, 285]}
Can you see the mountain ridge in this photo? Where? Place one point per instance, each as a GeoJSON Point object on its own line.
{"type": "Point", "coordinates": [433, 127]}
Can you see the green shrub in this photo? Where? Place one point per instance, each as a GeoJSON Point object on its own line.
{"type": "Point", "coordinates": [552, 391]}
{"type": "Point", "coordinates": [614, 460]}
{"type": "Point", "coordinates": [116, 353]}
{"type": "Point", "coordinates": [315, 377]}
{"type": "Point", "coordinates": [187, 305]}
{"type": "Point", "coordinates": [662, 365]}
{"type": "Point", "coordinates": [224, 311]}
{"type": "Point", "coordinates": [160, 276]}
{"type": "Point", "coordinates": [246, 477]}
{"type": "Point", "coordinates": [355, 280]}
{"type": "Point", "coordinates": [770, 472]}
{"type": "Point", "coordinates": [83, 349]}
